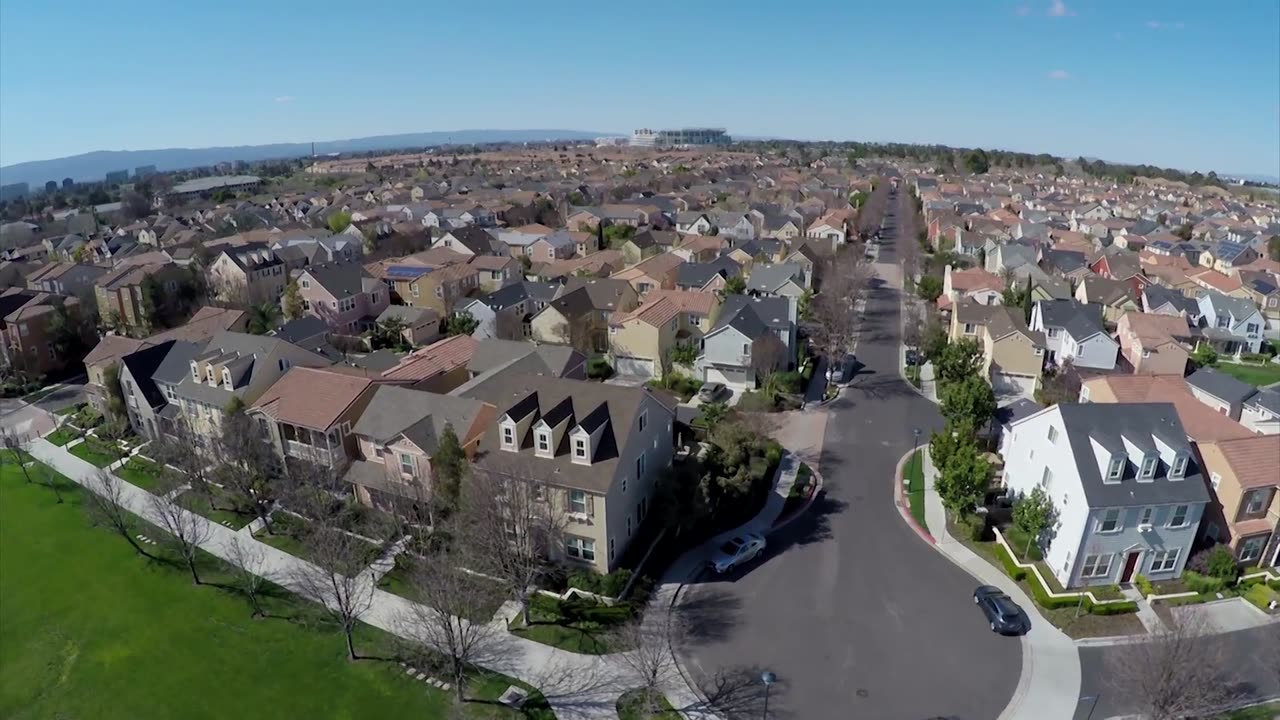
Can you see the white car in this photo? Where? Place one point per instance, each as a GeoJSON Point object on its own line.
{"type": "Point", "coordinates": [737, 550]}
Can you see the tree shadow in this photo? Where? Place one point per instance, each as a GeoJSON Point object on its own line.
{"type": "Point", "coordinates": [738, 693]}
{"type": "Point", "coordinates": [706, 614]}
{"type": "Point", "coordinates": [811, 526]}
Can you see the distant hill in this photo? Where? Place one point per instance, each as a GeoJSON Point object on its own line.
{"type": "Point", "coordinates": [95, 165]}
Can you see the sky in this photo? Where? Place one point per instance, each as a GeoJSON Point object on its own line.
{"type": "Point", "coordinates": [1178, 83]}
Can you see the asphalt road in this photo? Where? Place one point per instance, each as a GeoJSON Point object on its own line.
{"type": "Point", "coordinates": [857, 615]}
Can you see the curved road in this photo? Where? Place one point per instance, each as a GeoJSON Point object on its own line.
{"type": "Point", "coordinates": [857, 615]}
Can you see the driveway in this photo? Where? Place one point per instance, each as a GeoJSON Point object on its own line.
{"type": "Point", "coordinates": [856, 615]}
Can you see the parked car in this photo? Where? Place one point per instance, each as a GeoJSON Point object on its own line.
{"type": "Point", "coordinates": [737, 550]}
{"type": "Point", "coordinates": [843, 372]}
{"type": "Point", "coordinates": [1002, 613]}
{"type": "Point", "coordinates": [711, 391]}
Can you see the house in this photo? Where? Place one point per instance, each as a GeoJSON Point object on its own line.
{"type": "Point", "coordinates": [147, 377]}
{"type": "Point", "coordinates": [658, 272]}
{"type": "Point", "coordinates": [506, 312]}
{"type": "Point", "coordinates": [248, 273]}
{"type": "Point", "coordinates": [648, 244]}
{"type": "Point", "coordinates": [740, 345]}
{"type": "Point", "coordinates": [440, 289]}
{"type": "Point", "coordinates": [1006, 257]}
{"type": "Point", "coordinates": [120, 293]}
{"type": "Point", "coordinates": [421, 325]}
{"type": "Point", "coordinates": [778, 280]}
{"type": "Point", "coordinates": [558, 245]}
{"type": "Point", "coordinates": [1246, 492]}
{"type": "Point", "coordinates": [1220, 391]}
{"type": "Point", "coordinates": [1126, 486]}
{"type": "Point", "coordinates": [1074, 332]}
{"type": "Point", "coordinates": [232, 367]}
{"type": "Point", "coordinates": [1201, 422]}
{"type": "Point", "coordinates": [641, 341]}
{"type": "Point", "coordinates": [973, 285]}
{"type": "Point", "coordinates": [344, 295]}
{"type": "Point", "coordinates": [707, 276]}
{"type": "Point", "coordinates": [438, 367]}
{"type": "Point", "coordinates": [693, 223]}
{"type": "Point", "coordinates": [1230, 324]}
{"type": "Point", "coordinates": [598, 448]}
{"type": "Point", "coordinates": [65, 278]}
{"type": "Point", "coordinates": [1261, 413]}
{"type": "Point", "coordinates": [98, 363]}
{"type": "Point", "coordinates": [471, 240]}
{"type": "Point", "coordinates": [1013, 354]}
{"type": "Point", "coordinates": [27, 332]}
{"type": "Point", "coordinates": [1225, 256]}
{"type": "Point", "coordinates": [1164, 301]}
{"type": "Point", "coordinates": [1264, 290]}
{"type": "Point", "coordinates": [733, 225]}
{"type": "Point", "coordinates": [701, 248]}
{"type": "Point", "coordinates": [495, 271]}
{"type": "Point", "coordinates": [307, 331]}
{"type": "Point", "coordinates": [597, 264]}
{"type": "Point", "coordinates": [579, 314]}
{"type": "Point", "coordinates": [1154, 344]}
{"type": "Point", "coordinates": [307, 415]}
{"type": "Point", "coordinates": [396, 437]}
{"type": "Point", "coordinates": [1115, 296]}
{"type": "Point", "coordinates": [829, 227]}
{"type": "Point", "coordinates": [495, 355]}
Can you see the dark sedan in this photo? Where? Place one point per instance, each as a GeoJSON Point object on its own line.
{"type": "Point", "coordinates": [1003, 614]}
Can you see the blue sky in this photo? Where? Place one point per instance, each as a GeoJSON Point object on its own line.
{"type": "Point", "coordinates": [1194, 85]}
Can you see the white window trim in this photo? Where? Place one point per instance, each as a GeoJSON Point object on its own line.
{"type": "Point", "coordinates": [541, 437]}
{"type": "Point", "coordinates": [1148, 469]}
{"type": "Point", "coordinates": [585, 501]}
{"type": "Point", "coordinates": [1259, 494]}
{"type": "Point", "coordinates": [1167, 559]}
{"type": "Point", "coordinates": [581, 448]}
{"type": "Point", "coordinates": [507, 436]}
{"type": "Point", "coordinates": [1115, 468]}
{"type": "Point", "coordinates": [1174, 513]}
{"type": "Point", "coordinates": [1102, 521]}
{"type": "Point", "coordinates": [1250, 541]}
{"type": "Point", "coordinates": [1105, 569]}
{"type": "Point", "coordinates": [1179, 469]}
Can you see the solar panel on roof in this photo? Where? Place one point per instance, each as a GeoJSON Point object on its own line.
{"type": "Point", "coordinates": [406, 271]}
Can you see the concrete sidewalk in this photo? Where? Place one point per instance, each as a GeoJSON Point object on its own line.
{"type": "Point", "coordinates": [1049, 686]}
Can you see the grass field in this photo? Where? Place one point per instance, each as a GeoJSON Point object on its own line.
{"type": "Point", "coordinates": [143, 473]}
{"type": "Point", "coordinates": [1256, 375]}
{"type": "Point", "coordinates": [576, 626]}
{"type": "Point", "coordinates": [914, 474]}
{"type": "Point", "coordinates": [91, 630]}
{"type": "Point", "coordinates": [62, 436]}
{"type": "Point", "coordinates": [97, 452]}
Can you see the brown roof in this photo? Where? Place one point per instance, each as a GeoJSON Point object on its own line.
{"type": "Point", "coordinates": [452, 273]}
{"type": "Point", "coordinates": [975, 279]}
{"type": "Point", "coordinates": [1153, 329]}
{"type": "Point", "coordinates": [207, 322]}
{"type": "Point", "coordinates": [113, 347]}
{"type": "Point", "coordinates": [1201, 422]}
{"type": "Point", "coordinates": [435, 257]}
{"type": "Point", "coordinates": [1253, 459]}
{"type": "Point", "coordinates": [311, 397]}
{"type": "Point", "coordinates": [1216, 280]}
{"type": "Point", "coordinates": [491, 262]}
{"type": "Point", "coordinates": [435, 359]}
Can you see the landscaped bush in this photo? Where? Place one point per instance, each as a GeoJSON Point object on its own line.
{"type": "Point", "coordinates": [1046, 601]}
{"type": "Point", "coordinates": [598, 368]}
{"type": "Point", "coordinates": [1115, 608]}
{"type": "Point", "coordinates": [1254, 357]}
{"type": "Point", "coordinates": [1216, 562]}
{"type": "Point", "coordinates": [610, 585]}
{"type": "Point", "coordinates": [1144, 585]}
{"type": "Point", "coordinates": [973, 525]}
{"type": "Point", "coordinates": [791, 382]}
{"type": "Point", "coordinates": [1010, 569]}
{"type": "Point", "coordinates": [1202, 583]}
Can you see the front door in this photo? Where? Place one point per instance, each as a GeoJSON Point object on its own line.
{"type": "Point", "coordinates": [1130, 564]}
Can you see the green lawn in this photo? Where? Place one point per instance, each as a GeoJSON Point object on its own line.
{"type": "Point", "coordinates": [92, 630]}
{"type": "Point", "coordinates": [1256, 375]}
{"type": "Point", "coordinates": [97, 452]}
{"type": "Point", "coordinates": [914, 474]}
{"type": "Point", "coordinates": [579, 626]}
{"type": "Point", "coordinates": [68, 410]}
{"type": "Point", "coordinates": [1265, 711]}
{"type": "Point", "coordinates": [199, 504]}
{"type": "Point", "coordinates": [143, 473]}
{"type": "Point", "coordinates": [632, 706]}
{"type": "Point", "coordinates": [62, 436]}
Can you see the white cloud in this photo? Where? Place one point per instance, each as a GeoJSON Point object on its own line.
{"type": "Point", "coordinates": [1058, 8]}
{"type": "Point", "coordinates": [285, 99]}
{"type": "Point", "coordinates": [1059, 75]}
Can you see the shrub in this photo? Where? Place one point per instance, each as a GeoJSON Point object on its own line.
{"type": "Point", "coordinates": [1254, 357]}
{"type": "Point", "coordinates": [790, 382]}
{"type": "Point", "coordinates": [1144, 585]}
{"type": "Point", "coordinates": [598, 368]}
{"type": "Point", "coordinates": [1216, 562]}
{"type": "Point", "coordinates": [1196, 582]}
{"type": "Point", "coordinates": [610, 585]}
{"type": "Point", "coordinates": [974, 526]}
{"type": "Point", "coordinates": [1114, 608]}
{"type": "Point", "coordinates": [1044, 600]}
{"type": "Point", "coordinates": [773, 454]}
{"type": "Point", "coordinates": [1010, 568]}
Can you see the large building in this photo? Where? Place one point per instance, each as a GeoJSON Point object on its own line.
{"type": "Point", "coordinates": [14, 191]}
{"type": "Point", "coordinates": [680, 137]}
{"type": "Point", "coordinates": [206, 186]}
{"type": "Point", "coordinates": [144, 171]}
{"type": "Point", "coordinates": [117, 176]}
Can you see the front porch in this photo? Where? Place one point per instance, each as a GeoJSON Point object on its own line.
{"type": "Point", "coordinates": [321, 448]}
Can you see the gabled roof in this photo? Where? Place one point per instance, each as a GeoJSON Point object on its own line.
{"type": "Point", "coordinates": [697, 275]}
{"type": "Point", "coordinates": [1201, 422]}
{"type": "Point", "coordinates": [1077, 319]}
{"type": "Point", "coordinates": [312, 398]}
{"type": "Point", "coordinates": [1238, 308]}
{"type": "Point", "coordinates": [342, 279]}
{"type": "Point", "coordinates": [1251, 459]}
{"type": "Point", "coordinates": [1222, 386]}
{"type": "Point", "coordinates": [754, 316]}
{"type": "Point", "coordinates": [419, 416]}
{"type": "Point", "coordinates": [113, 347]}
{"type": "Point", "coordinates": [770, 277]}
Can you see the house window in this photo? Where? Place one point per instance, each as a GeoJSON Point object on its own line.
{"type": "Point", "coordinates": [970, 328]}
{"type": "Point", "coordinates": [226, 377]}
{"type": "Point", "coordinates": [644, 419]}
{"type": "Point", "coordinates": [1165, 560]}
{"type": "Point", "coordinates": [610, 548]}
{"type": "Point", "coordinates": [1251, 328]}
{"type": "Point", "coordinates": [580, 448]}
{"type": "Point", "coordinates": [624, 483]}
{"type": "Point", "coordinates": [1257, 500]}
{"type": "Point", "coordinates": [439, 291]}
{"type": "Point", "coordinates": [544, 442]}
{"type": "Point", "coordinates": [639, 466]}
{"type": "Point", "coordinates": [580, 548]}
{"type": "Point", "coordinates": [1148, 467]}
{"type": "Point", "coordinates": [1116, 468]}
{"type": "Point", "coordinates": [508, 437]}
{"type": "Point", "coordinates": [1214, 479]}
{"type": "Point", "coordinates": [1110, 521]}
{"type": "Point", "coordinates": [1096, 566]}
{"type": "Point", "coordinates": [407, 466]}
{"type": "Point", "coordinates": [1179, 468]}
{"type": "Point", "coordinates": [209, 375]}
{"type": "Point", "coordinates": [1084, 394]}
{"type": "Point", "coordinates": [414, 289]}
{"type": "Point", "coordinates": [1179, 517]}
{"type": "Point", "coordinates": [306, 304]}
{"type": "Point", "coordinates": [1053, 434]}
{"type": "Point", "coordinates": [305, 283]}
{"type": "Point", "coordinates": [1147, 512]}
{"type": "Point", "coordinates": [195, 372]}
{"type": "Point", "coordinates": [1251, 548]}
{"type": "Point", "coordinates": [578, 502]}
{"type": "Point", "coordinates": [628, 526]}
{"type": "Point", "coordinates": [746, 349]}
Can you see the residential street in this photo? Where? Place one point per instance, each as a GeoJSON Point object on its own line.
{"type": "Point", "coordinates": [856, 615]}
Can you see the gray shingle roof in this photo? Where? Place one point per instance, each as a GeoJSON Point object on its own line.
{"type": "Point", "coordinates": [420, 416]}
{"type": "Point", "coordinates": [753, 316]}
{"type": "Point", "coordinates": [1221, 385]}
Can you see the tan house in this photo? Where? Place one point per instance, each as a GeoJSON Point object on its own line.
{"type": "Point", "coordinates": [105, 355]}
{"type": "Point", "coordinates": [701, 248]}
{"type": "Point", "coordinates": [1154, 344]}
{"type": "Point", "coordinates": [597, 264]}
{"type": "Point", "coordinates": [494, 271]}
{"type": "Point", "coordinates": [579, 314]}
{"type": "Point", "coordinates": [656, 273]}
{"type": "Point", "coordinates": [249, 273]}
{"type": "Point", "coordinates": [438, 367]}
{"type": "Point", "coordinates": [1013, 354]}
{"type": "Point", "coordinates": [438, 289]}
{"type": "Point", "coordinates": [641, 341]}
{"type": "Point", "coordinates": [1201, 422]}
{"type": "Point", "coordinates": [119, 293]}
{"type": "Point", "coordinates": [308, 414]}
{"type": "Point", "coordinates": [1242, 475]}
{"type": "Point", "coordinates": [1115, 296]}
{"type": "Point", "coordinates": [397, 435]}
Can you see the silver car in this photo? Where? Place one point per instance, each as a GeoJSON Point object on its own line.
{"type": "Point", "coordinates": [737, 550]}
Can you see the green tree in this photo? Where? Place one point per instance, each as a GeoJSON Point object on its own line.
{"type": "Point", "coordinates": [1204, 356]}
{"type": "Point", "coordinates": [969, 399]}
{"type": "Point", "coordinates": [962, 480]}
{"type": "Point", "coordinates": [1033, 513]}
{"type": "Point", "coordinates": [1273, 248]}
{"type": "Point", "coordinates": [262, 318]}
{"type": "Point", "coordinates": [684, 354]}
{"type": "Point", "coordinates": [617, 235]}
{"type": "Point", "coordinates": [450, 464]}
{"type": "Point", "coordinates": [976, 161]}
{"type": "Point", "coordinates": [339, 221]}
{"type": "Point", "coordinates": [461, 324]}
{"type": "Point", "coordinates": [929, 288]}
{"type": "Point", "coordinates": [1184, 231]}
{"type": "Point", "coordinates": [804, 306]}
{"type": "Point", "coordinates": [234, 406]}
{"type": "Point", "coordinates": [735, 285]}
{"type": "Point", "coordinates": [115, 392]}
{"type": "Point", "coordinates": [292, 302]}
{"type": "Point", "coordinates": [934, 340]}
{"type": "Point", "coordinates": [942, 445]}
{"type": "Point", "coordinates": [958, 360]}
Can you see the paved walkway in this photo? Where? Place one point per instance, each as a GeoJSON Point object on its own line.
{"type": "Point", "coordinates": [1049, 686]}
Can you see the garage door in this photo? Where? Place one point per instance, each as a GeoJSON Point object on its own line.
{"type": "Point", "coordinates": [1008, 386]}
{"type": "Point", "coordinates": [735, 379]}
{"type": "Point", "coordinates": [637, 366]}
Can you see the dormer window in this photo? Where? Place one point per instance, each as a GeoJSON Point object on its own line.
{"type": "Point", "coordinates": [543, 438]}
{"type": "Point", "coordinates": [509, 436]}
{"type": "Point", "coordinates": [1148, 470]}
{"type": "Point", "coordinates": [1179, 469]}
{"type": "Point", "coordinates": [226, 377]}
{"type": "Point", "coordinates": [195, 371]}
{"type": "Point", "coordinates": [1116, 468]}
{"type": "Point", "coordinates": [580, 449]}
{"type": "Point", "coordinates": [209, 374]}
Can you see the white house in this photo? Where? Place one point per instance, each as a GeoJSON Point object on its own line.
{"type": "Point", "coordinates": [730, 349]}
{"type": "Point", "coordinates": [1231, 324]}
{"type": "Point", "coordinates": [1125, 485]}
{"type": "Point", "coordinates": [1074, 331]}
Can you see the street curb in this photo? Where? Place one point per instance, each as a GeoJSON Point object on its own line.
{"type": "Point", "coordinates": [675, 656]}
{"type": "Point", "coordinates": [819, 484]}
{"type": "Point", "coordinates": [899, 500]}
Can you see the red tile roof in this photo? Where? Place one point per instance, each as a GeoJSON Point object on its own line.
{"type": "Point", "coordinates": [311, 397]}
{"type": "Point", "coordinates": [435, 359]}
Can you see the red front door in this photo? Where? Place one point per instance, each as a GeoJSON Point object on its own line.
{"type": "Point", "coordinates": [1130, 564]}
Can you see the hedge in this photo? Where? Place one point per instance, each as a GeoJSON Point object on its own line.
{"type": "Point", "coordinates": [1115, 608]}
{"type": "Point", "coordinates": [1010, 568]}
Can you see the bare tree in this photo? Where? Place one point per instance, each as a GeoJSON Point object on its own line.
{"type": "Point", "coordinates": [187, 530]}
{"type": "Point", "coordinates": [446, 597]}
{"type": "Point", "coordinates": [182, 450]}
{"type": "Point", "coordinates": [649, 655]}
{"type": "Point", "coordinates": [1178, 672]}
{"type": "Point", "coordinates": [13, 443]}
{"type": "Point", "coordinates": [768, 356]}
{"type": "Point", "coordinates": [250, 465]}
{"type": "Point", "coordinates": [248, 564]}
{"type": "Point", "coordinates": [105, 504]}
{"type": "Point", "coordinates": [335, 578]}
{"type": "Point", "coordinates": [912, 324]}
{"type": "Point", "coordinates": [834, 310]}
{"type": "Point", "coordinates": [512, 520]}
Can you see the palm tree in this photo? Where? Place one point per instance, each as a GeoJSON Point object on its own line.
{"type": "Point", "coordinates": [263, 318]}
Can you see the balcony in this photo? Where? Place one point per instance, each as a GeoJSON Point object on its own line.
{"type": "Point", "coordinates": [311, 453]}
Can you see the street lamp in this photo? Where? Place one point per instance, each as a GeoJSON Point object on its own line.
{"type": "Point", "coordinates": [768, 679]}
